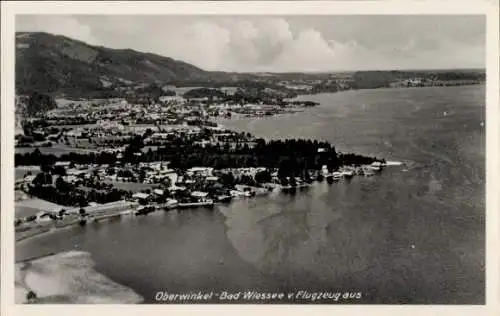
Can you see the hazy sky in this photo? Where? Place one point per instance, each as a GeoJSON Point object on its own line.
{"type": "Point", "coordinates": [284, 43]}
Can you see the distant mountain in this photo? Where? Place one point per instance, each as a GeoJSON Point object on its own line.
{"type": "Point", "coordinates": [59, 65]}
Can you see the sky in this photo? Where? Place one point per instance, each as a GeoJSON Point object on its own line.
{"type": "Point", "coordinates": [284, 43]}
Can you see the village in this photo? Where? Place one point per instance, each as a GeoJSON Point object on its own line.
{"type": "Point", "coordinates": [89, 160]}
{"type": "Point", "coordinates": [167, 189]}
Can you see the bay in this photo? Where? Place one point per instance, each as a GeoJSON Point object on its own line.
{"type": "Point", "coordinates": [413, 236]}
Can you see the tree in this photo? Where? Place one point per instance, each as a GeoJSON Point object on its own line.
{"type": "Point", "coordinates": [166, 182]}
{"type": "Point", "coordinates": [42, 179]}
{"type": "Point", "coordinates": [263, 176]}
{"type": "Point", "coordinates": [307, 177]}
{"type": "Point", "coordinates": [38, 103]}
{"type": "Point", "coordinates": [227, 179]}
{"type": "Point", "coordinates": [248, 180]}
{"type": "Point", "coordinates": [45, 167]}
{"type": "Point", "coordinates": [148, 133]}
{"type": "Point", "coordinates": [31, 296]}
{"type": "Point", "coordinates": [284, 169]}
{"type": "Point", "coordinates": [82, 212]}
{"type": "Point", "coordinates": [62, 185]}
{"type": "Point", "coordinates": [62, 212]}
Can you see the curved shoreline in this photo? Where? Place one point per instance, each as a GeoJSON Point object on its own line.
{"type": "Point", "coordinates": [67, 277]}
{"type": "Point", "coordinates": [52, 277]}
{"type": "Point", "coordinates": [35, 234]}
{"type": "Point", "coordinates": [47, 230]}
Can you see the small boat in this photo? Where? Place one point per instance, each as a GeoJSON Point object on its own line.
{"type": "Point", "coordinates": [337, 176]}
{"type": "Point", "coordinates": [238, 193]}
{"type": "Point", "coordinates": [376, 166]}
{"type": "Point", "coordinates": [348, 174]}
{"type": "Point", "coordinates": [224, 198]}
{"type": "Point", "coordinates": [289, 189]}
{"type": "Point", "coordinates": [369, 173]}
{"type": "Point", "coordinates": [145, 210]}
{"type": "Point", "coordinates": [303, 185]}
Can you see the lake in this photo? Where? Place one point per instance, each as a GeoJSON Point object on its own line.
{"type": "Point", "coordinates": [413, 235]}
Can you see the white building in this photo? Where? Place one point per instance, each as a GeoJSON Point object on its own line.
{"type": "Point", "coordinates": [62, 163]}
{"type": "Point", "coordinates": [140, 196]}
{"type": "Point", "coordinates": [202, 196]}
{"type": "Point", "coordinates": [200, 171]}
{"type": "Point", "coordinates": [158, 192]}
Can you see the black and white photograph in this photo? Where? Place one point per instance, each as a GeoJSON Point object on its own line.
{"type": "Point", "coordinates": [249, 159]}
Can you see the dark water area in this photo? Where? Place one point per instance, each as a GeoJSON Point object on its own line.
{"type": "Point", "coordinates": [412, 234]}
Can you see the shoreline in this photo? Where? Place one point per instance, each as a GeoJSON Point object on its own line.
{"type": "Point", "coordinates": [300, 96]}
{"type": "Point", "coordinates": [41, 231]}
{"type": "Point", "coordinates": [47, 230]}
{"type": "Point", "coordinates": [307, 96]}
{"type": "Point", "coordinates": [67, 277]}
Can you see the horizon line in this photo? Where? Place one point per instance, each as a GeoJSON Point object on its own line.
{"type": "Point", "coordinates": [310, 72]}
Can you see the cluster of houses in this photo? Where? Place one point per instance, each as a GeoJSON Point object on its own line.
{"type": "Point", "coordinates": [168, 184]}
{"type": "Point", "coordinates": [109, 125]}
{"type": "Point", "coordinates": [79, 119]}
{"type": "Point", "coordinates": [170, 188]}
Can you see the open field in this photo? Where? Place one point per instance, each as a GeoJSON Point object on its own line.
{"type": "Point", "coordinates": [19, 195]}
{"type": "Point", "coordinates": [32, 206]}
{"type": "Point", "coordinates": [21, 171]}
{"type": "Point", "coordinates": [25, 211]}
{"type": "Point", "coordinates": [131, 186]}
{"type": "Point", "coordinates": [55, 150]}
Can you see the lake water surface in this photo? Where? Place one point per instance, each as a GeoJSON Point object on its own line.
{"type": "Point", "coordinates": [414, 236]}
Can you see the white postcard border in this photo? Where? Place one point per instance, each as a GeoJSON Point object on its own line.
{"type": "Point", "coordinates": [488, 8]}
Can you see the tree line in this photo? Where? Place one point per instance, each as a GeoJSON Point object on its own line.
{"type": "Point", "coordinates": [69, 194]}
{"type": "Point", "coordinates": [291, 156]}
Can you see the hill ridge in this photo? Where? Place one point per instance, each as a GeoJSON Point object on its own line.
{"type": "Point", "coordinates": [51, 63]}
